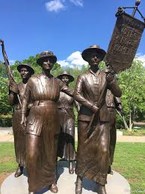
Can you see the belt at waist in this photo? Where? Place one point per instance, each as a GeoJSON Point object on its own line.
{"type": "Point", "coordinates": [111, 107]}
{"type": "Point", "coordinates": [62, 107]}
{"type": "Point", "coordinates": [43, 102]}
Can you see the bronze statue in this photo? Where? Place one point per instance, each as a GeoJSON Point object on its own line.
{"type": "Point", "coordinates": [93, 120]}
{"type": "Point", "coordinates": [43, 125]}
{"type": "Point", "coordinates": [113, 104]}
{"type": "Point", "coordinates": [66, 143]}
{"type": "Point", "coordinates": [16, 90]}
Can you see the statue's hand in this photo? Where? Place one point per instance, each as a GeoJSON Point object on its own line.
{"type": "Point", "coordinates": [23, 121]}
{"type": "Point", "coordinates": [94, 108]}
{"type": "Point", "coordinates": [109, 74]}
{"type": "Point", "coordinates": [109, 77]}
{"type": "Point", "coordinates": [13, 87]}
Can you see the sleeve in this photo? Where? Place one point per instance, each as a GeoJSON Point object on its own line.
{"type": "Point", "coordinates": [66, 89]}
{"type": "Point", "coordinates": [118, 104]}
{"type": "Point", "coordinates": [114, 87]}
{"type": "Point", "coordinates": [26, 97]}
{"type": "Point", "coordinates": [77, 105]}
{"type": "Point", "coordinates": [12, 98]}
{"type": "Point", "coordinates": [13, 93]}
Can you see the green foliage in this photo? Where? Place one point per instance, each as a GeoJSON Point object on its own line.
{"type": "Point", "coordinates": [5, 108]}
{"type": "Point", "coordinates": [75, 72]}
{"type": "Point", "coordinates": [132, 83]}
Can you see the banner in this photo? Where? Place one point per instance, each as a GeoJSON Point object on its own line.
{"type": "Point", "coordinates": [124, 42]}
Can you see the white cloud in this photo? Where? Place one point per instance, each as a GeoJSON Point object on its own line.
{"type": "Point", "coordinates": [77, 2]}
{"type": "Point", "coordinates": [74, 60]}
{"type": "Point", "coordinates": [59, 5]}
{"type": "Point", "coordinates": [55, 5]}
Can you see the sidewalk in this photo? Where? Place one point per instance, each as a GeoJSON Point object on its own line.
{"type": "Point", "coordinates": [6, 135]}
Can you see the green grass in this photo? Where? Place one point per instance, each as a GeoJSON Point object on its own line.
{"type": "Point", "coordinates": [129, 161]}
{"type": "Point", "coordinates": [7, 158]}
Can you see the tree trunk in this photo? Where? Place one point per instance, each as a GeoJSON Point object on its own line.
{"type": "Point", "coordinates": [124, 121]}
{"type": "Point", "coordinates": [130, 122]}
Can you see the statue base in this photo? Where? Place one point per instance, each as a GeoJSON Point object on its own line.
{"type": "Point", "coordinates": [66, 183]}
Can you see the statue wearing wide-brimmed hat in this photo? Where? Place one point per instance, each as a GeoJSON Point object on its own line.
{"type": "Point", "coordinates": [46, 55]}
{"type": "Point", "coordinates": [93, 119]}
{"type": "Point", "coordinates": [95, 49]}
{"type": "Point", "coordinates": [27, 66]}
{"type": "Point", "coordinates": [16, 94]}
{"type": "Point", "coordinates": [43, 126]}
{"type": "Point", "coordinates": [66, 143]}
{"type": "Point", "coordinates": [65, 73]}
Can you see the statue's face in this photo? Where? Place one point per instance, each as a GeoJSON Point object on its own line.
{"type": "Point", "coordinates": [94, 59]}
{"type": "Point", "coordinates": [65, 79]}
{"type": "Point", "coordinates": [25, 74]}
{"type": "Point", "coordinates": [47, 64]}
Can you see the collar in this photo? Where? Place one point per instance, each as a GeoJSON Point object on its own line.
{"type": "Point", "coordinates": [95, 74]}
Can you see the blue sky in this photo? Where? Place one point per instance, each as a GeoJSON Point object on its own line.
{"type": "Point", "coordinates": [66, 27]}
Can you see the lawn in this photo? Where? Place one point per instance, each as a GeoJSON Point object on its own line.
{"type": "Point", "coordinates": [129, 161]}
{"type": "Point", "coordinates": [7, 159]}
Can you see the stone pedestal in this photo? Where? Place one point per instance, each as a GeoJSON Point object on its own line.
{"type": "Point", "coordinates": [117, 184]}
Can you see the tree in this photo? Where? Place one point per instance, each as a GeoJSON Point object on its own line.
{"type": "Point", "coordinates": [132, 83]}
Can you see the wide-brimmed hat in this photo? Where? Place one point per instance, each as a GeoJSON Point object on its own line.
{"type": "Point", "coordinates": [46, 55]}
{"type": "Point", "coordinates": [27, 66]}
{"type": "Point", "coordinates": [65, 73]}
{"type": "Point", "coordinates": [87, 52]}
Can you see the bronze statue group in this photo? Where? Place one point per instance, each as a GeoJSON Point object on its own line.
{"type": "Point", "coordinates": [44, 122]}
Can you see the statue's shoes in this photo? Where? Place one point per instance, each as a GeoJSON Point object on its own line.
{"type": "Point", "coordinates": [54, 188]}
{"type": "Point", "coordinates": [101, 190]}
{"type": "Point", "coordinates": [78, 189]}
{"type": "Point", "coordinates": [71, 171]}
{"type": "Point", "coordinates": [19, 172]}
{"type": "Point", "coordinates": [71, 167]}
{"type": "Point", "coordinates": [110, 171]}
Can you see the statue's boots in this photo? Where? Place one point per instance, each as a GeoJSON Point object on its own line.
{"type": "Point", "coordinates": [110, 171]}
{"type": "Point", "coordinates": [101, 189]}
{"type": "Point", "coordinates": [19, 171]}
{"type": "Point", "coordinates": [54, 188]}
{"type": "Point", "coordinates": [71, 167]}
{"type": "Point", "coordinates": [78, 189]}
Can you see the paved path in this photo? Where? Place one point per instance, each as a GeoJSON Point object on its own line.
{"type": "Point", "coordinates": [6, 135]}
{"type": "Point", "coordinates": [66, 183]}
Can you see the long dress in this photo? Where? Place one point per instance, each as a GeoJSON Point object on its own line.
{"type": "Point", "coordinates": [66, 143]}
{"type": "Point", "coordinates": [113, 103]}
{"type": "Point", "coordinates": [18, 129]}
{"type": "Point", "coordinates": [93, 142]}
{"type": "Point", "coordinates": [42, 130]}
